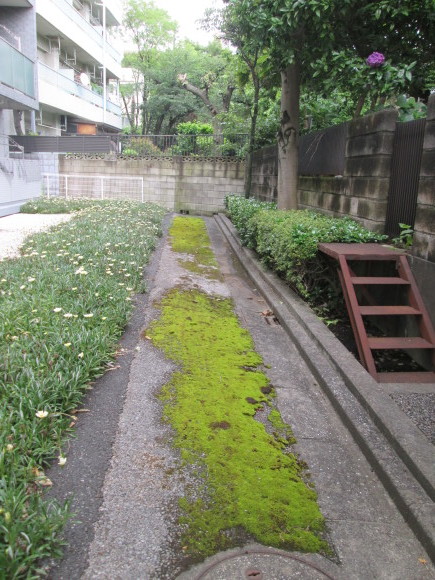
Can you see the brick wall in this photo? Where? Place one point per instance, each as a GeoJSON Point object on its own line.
{"type": "Point", "coordinates": [179, 184]}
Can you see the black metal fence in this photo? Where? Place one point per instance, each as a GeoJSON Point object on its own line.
{"type": "Point", "coordinates": [404, 177]}
{"type": "Point", "coordinates": [137, 146]}
{"type": "Point", "coordinates": [323, 152]}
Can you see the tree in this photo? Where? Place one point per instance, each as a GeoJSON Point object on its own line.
{"type": "Point", "coordinates": [301, 35]}
{"type": "Point", "coordinates": [151, 29]}
{"type": "Point", "coordinates": [213, 86]}
{"type": "Point", "coordinates": [234, 30]}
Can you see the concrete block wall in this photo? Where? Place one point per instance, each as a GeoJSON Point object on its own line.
{"type": "Point", "coordinates": [264, 185]}
{"type": "Point", "coordinates": [362, 192]}
{"type": "Point", "coordinates": [179, 184]}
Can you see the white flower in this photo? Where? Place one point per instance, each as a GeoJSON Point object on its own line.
{"type": "Point", "coordinates": [89, 315]}
{"type": "Point", "coordinates": [57, 309]}
{"type": "Point", "coordinates": [41, 414]}
{"type": "Point", "coordinates": [29, 279]}
{"type": "Point", "coordinates": [62, 460]}
{"type": "Point", "coordinates": [67, 344]}
{"type": "Point", "coordinates": [22, 287]}
{"type": "Point", "coordinates": [67, 315]}
{"type": "Point", "coordinates": [81, 354]}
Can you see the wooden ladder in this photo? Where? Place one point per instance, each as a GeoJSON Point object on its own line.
{"type": "Point", "coordinates": [357, 313]}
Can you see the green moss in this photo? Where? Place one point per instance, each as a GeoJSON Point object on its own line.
{"type": "Point", "coordinates": [189, 236]}
{"type": "Point", "coordinates": [252, 486]}
{"type": "Point", "coordinates": [251, 481]}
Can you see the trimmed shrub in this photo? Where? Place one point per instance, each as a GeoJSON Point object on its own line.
{"type": "Point", "coordinates": [240, 210]}
{"type": "Point", "coordinates": [287, 242]}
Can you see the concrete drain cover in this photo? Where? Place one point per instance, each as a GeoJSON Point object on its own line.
{"type": "Point", "coordinates": [262, 564]}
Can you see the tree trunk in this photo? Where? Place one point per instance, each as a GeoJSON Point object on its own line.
{"type": "Point", "coordinates": [360, 105]}
{"type": "Point", "coordinates": [248, 182]}
{"type": "Point", "coordinates": [288, 139]}
{"type": "Point", "coordinates": [143, 110]}
{"type": "Point", "coordinates": [127, 111]}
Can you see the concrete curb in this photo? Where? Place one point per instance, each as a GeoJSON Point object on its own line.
{"type": "Point", "coordinates": [401, 456]}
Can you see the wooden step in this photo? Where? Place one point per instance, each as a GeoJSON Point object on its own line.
{"type": "Point", "coordinates": [388, 310]}
{"type": "Point", "coordinates": [398, 342]}
{"type": "Point", "coordinates": [406, 377]}
{"type": "Point", "coordinates": [379, 280]}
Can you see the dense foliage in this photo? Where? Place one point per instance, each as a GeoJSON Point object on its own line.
{"type": "Point", "coordinates": [287, 242]}
{"type": "Point", "coordinates": [63, 306]}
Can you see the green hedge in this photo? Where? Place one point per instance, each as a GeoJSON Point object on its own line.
{"type": "Point", "coordinates": [287, 242]}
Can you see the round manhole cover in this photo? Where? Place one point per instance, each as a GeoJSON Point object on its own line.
{"type": "Point", "coordinates": [261, 564]}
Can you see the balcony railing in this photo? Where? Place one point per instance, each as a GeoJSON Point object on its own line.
{"type": "Point", "coordinates": [60, 81]}
{"type": "Point", "coordinates": [93, 34]}
{"type": "Point", "coordinates": [16, 70]}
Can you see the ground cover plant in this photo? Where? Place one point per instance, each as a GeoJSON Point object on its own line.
{"type": "Point", "coordinates": [63, 306]}
{"type": "Point", "coordinates": [226, 426]}
{"type": "Point", "coordinates": [287, 242]}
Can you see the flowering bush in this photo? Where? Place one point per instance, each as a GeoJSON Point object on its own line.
{"type": "Point", "coordinates": [375, 59]}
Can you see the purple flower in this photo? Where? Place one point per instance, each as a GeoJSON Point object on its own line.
{"type": "Point", "coordinates": [375, 59]}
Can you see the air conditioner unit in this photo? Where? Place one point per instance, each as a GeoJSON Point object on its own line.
{"type": "Point", "coordinates": [63, 122]}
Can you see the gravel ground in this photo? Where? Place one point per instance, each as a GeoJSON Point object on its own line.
{"type": "Point", "coordinates": [15, 228]}
{"type": "Point", "coordinates": [420, 407]}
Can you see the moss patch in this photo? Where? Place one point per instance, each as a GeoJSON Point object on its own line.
{"type": "Point", "coordinates": [251, 481]}
{"type": "Point", "coordinates": [189, 236]}
{"type": "Point", "coordinates": [229, 433]}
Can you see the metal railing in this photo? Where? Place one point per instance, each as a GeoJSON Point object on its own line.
{"type": "Point", "coordinates": [57, 79]}
{"type": "Point", "coordinates": [16, 70]}
{"type": "Point", "coordinates": [134, 146]}
{"type": "Point", "coordinates": [138, 146]}
{"type": "Point", "coordinates": [90, 30]}
{"type": "Point", "coordinates": [93, 186]}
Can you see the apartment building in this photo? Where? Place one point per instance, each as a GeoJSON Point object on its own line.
{"type": "Point", "coordinates": [19, 174]}
{"type": "Point", "coordinates": [78, 66]}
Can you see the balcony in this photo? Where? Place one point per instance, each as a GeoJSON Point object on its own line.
{"type": "Point", "coordinates": [60, 19]}
{"type": "Point", "coordinates": [16, 70]}
{"type": "Point", "coordinates": [65, 96]}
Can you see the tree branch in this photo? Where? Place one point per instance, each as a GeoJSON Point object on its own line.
{"type": "Point", "coordinates": [198, 93]}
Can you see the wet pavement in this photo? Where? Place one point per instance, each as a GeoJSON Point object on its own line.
{"type": "Point", "coordinates": [121, 476]}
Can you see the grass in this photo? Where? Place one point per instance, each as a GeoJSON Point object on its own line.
{"type": "Point", "coordinates": [250, 482]}
{"type": "Point", "coordinates": [63, 306]}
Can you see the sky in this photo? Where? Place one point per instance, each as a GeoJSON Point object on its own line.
{"type": "Point", "coordinates": [186, 12]}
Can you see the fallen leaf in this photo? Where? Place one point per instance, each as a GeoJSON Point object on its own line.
{"type": "Point", "coordinates": [46, 482]}
{"type": "Point", "coordinates": [83, 411]}
{"type": "Point", "coordinates": [148, 337]}
{"type": "Point", "coordinates": [422, 561]}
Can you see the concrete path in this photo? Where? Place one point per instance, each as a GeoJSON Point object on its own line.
{"type": "Point", "coordinates": [120, 469]}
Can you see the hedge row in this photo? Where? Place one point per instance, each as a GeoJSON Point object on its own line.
{"type": "Point", "coordinates": [287, 242]}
